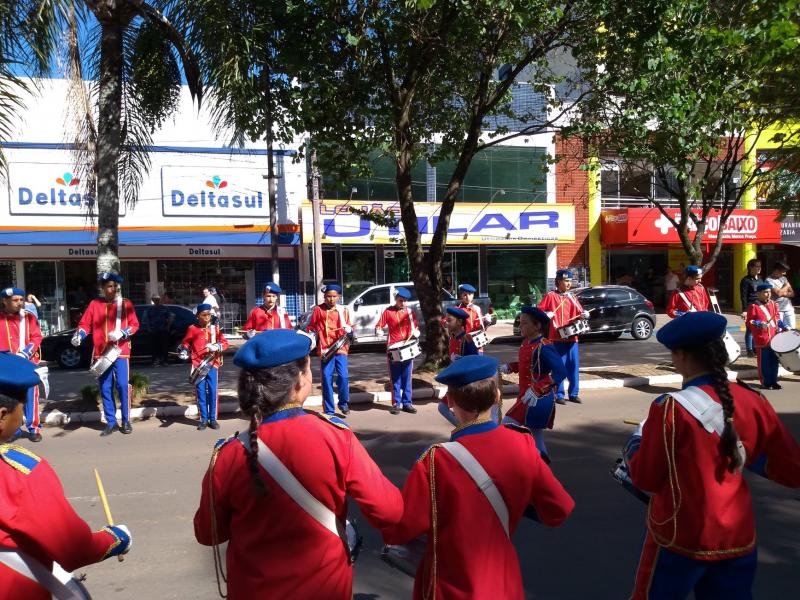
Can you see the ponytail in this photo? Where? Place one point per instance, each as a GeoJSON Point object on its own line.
{"type": "Point", "coordinates": [729, 439]}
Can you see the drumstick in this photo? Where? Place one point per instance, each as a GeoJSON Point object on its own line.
{"type": "Point", "coordinates": [104, 500]}
{"type": "Point", "coordinates": [630, 421]}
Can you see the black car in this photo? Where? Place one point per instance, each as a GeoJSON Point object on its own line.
{"type": "Point", "coordinates": [613, 310]}
{"type": "Point", "coordinates": [57, 347]}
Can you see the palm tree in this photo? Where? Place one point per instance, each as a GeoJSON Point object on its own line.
{"type": "Point", "coordinates": [125, 61]}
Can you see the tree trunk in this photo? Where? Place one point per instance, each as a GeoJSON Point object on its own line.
{"type": "Point", "coordinates": [273, 200]}
{"type": "Point", "coordinates": [108, 147]}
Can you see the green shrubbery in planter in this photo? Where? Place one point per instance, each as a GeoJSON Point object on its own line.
{"type": "Point", "coordinates": [140, 387]}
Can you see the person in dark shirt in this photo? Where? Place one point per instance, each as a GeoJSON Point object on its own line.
{"type": "Point", "coordinates": [159, 322]}
{"type": "Point", "coordinates": [747, 291]}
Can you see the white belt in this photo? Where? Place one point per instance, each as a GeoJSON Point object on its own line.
{"type": "Point", "coordinates": [32, 569]}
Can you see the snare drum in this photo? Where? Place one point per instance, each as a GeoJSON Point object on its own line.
{"type": "Point", "coordinates": [403, 351]}
{"type": "Point", "coordinates": [479, 338]}
{"type": "Point", "coordinates": [577, 327]}
{"type": "Point", "coordinates": [74, 585]}
{"type": "Point", "coordinates": [731, 347]}
{"type": "Point", "coordinates": [786, 345]}
{"type": "Point", "coordinates": [105, 360]}
{"type": "Point", "coordinates": [202, 369]}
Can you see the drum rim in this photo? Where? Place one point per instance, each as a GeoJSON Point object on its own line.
{"type": "Point", "coordinates": [794, 333]}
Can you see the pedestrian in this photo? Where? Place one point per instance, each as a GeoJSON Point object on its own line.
{"type": "Point", "coordinates": [111, 320]}
{"type": "Point", "coordinates": [20, 335]}
{"type": "Point", "coordinates": [691, 296]}
{"type": "Point", "coordinates": [205, 343]}
{"type": "Point", "coordinates": [670, 284]}
{"type": "Point", "coordinates": [32, 305]}
{"type": "Point", "coordinates": [688, 454]}
{"type": "Point", "coordinates": [269, 315]}
{"type": "Point", "coordinates": [477, 321]}
{"type": "Point", "coordinates": [468, 495]}
{"type": "Point", "coordinates": [330, 321]}
{"type": "Point", "coordinates": [210, 299]}
{"type": "Point", "coordinates": [764, 322]}
{"type": "Point", "coordinates": [402, 325]}
{"type": "Point", "coordinates": [159, 320]}
{"type": "Point", "coordinates": [459, 345]}
{"type": "Point", "coordinates": [39, 526]}
{"type": "Point", "coordinates": [277, 493]}
{"type": "Point", "coordinates": [563, 308]}
{"type": "Point", "coordinates": [540, 371]}
{"type": "Point", "coordinates": [782, 293]}
{"type": "Point", "coordinates": [747, 292]}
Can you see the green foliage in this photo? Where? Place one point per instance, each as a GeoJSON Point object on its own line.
{"type": "Point", "coordinates": [140, 387]}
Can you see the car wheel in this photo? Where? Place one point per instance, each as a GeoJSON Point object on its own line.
{"type": "Point", "coordinates": [69, 358]}
{"type": "Point", "coordinates": [641, 328]}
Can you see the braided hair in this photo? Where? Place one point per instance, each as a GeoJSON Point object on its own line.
{"type": "Point", "coordinates": [261, 392]}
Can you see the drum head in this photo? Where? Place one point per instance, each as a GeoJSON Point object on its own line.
{"type": "Point", "coordinates": [786, 341]}
{"type": "Point", "coordinates": [399, 344]}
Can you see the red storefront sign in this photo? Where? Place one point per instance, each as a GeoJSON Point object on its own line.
{"type": "Point", "coordinates": [621, 226]}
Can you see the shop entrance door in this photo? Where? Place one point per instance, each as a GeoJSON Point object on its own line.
{"type": "Point", "coordinates": [459, 268]}
{"type": "Point", "coordinates": [80, 281]}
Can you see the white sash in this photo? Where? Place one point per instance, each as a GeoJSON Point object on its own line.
{"type": "Point", "coordinates": [481, 478]}
{"type": "Point", "coordinates": [118, 324]}
{"type": "Point", "coordinates": [22, 325]}
{"type": "Point", "coordinates": [769, 317]}
{"type": "Point", "coordinates": [32, 569]}
{"type": "Point", "coordinates": [686, 300]}
{"type": "Point", "coordinates": [281, 314]}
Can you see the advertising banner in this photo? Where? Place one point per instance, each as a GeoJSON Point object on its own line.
{"type": "Point", "coordinates": [219, 192]}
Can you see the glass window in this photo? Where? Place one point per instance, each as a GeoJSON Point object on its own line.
{"type": "Point", "coordinates": [516, 277]}
{"type": "Point", "coordinates": [45, 281]}
{"type": "Point", "coordinates": [618, 296]}
{"type": "Point", "coordinates": [135, 274]}
{"type": "Point", "coordinates": [591, 297]}
{"type": "Point", "coordinates": [609, 183]}
{"type": "Point", "coordinates": [635, 183]}
{"type": "Point", "coordinates": [329, 265]}
{"type": "Point", "coordinates": [379, 184]}
{"type": "Point", "coordinates": [378, 296]}
{"type": "Point", "coordinates": [396, 266]}
{"type": "Point", "coordinates": [358, 271]}
{"type": "Point", "coordinates": [8, 273]}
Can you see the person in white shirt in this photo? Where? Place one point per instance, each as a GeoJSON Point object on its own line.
{"type": "Point", "coordinates": [209, 298]}
{"type": "Point", "coordinates": [782, 293]}
{"type": "Point", "coordinates": [671, 282]}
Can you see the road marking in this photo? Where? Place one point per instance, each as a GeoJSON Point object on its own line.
{"type": "Point", "coordinates": [123, 495]}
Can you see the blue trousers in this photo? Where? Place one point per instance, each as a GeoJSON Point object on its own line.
{"type": "Point", "coordinates": [205, 392]}
{"type": "Point", "coordinates": [338, 366]}
{"type": "Point", "coordinates": [675, 577]}
{"type": "Point", "coordinates": [31, 411]}
{"type": "Point", "coordinates": [767, 366]}
{"type": "Point", "coordinates": [400, 372]}
{"type": "Point", "coordinates": [116, 375]}
{"type": "Point", "coordinates": [568, 351]}
{"type": "Point", "coordinates": [748, 340]}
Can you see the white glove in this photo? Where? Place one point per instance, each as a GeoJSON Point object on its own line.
{"type": "Point", "coordinates": [585, 314]}
{"type": "Point", "coordinates": [504, 369]}
{"type": "Point", "coordinates": [529, 398]}
{"type": "Point", "coordinates": [212, 347]}
{"type": "Point", "coordinates": [639, 428]}
{"type": "Point", "coordinates": [115, 336]}
{"type": "Point", "coordinates": [487, 319]}
{"type": "Point", "coordinates": [415, 332]}
{"type": "Point", "coordinates": [347, 329]}
{"type": "Point", "coordinates": [550, 314]}
{"type": "Point", "coordinates": [454, 357]}
{"type": "Point", "coordinates": [250, 333]}
{"type": "Point", "coordinates": [183, 354]}
{"type": "Point", "coordinates": [76, 339]}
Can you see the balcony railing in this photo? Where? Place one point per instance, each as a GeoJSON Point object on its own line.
{"type": "Point", "coordinates": [639, 202]}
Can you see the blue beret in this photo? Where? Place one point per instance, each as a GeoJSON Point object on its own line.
{"type": "Point", "coordinates": [693, 270]}
{"type": "Point", "coordinates": [403, 293]}
{"type": "Point", "coordinates": [202, 307]}
{"type": "Point", "coordinates": [763, 286]}
{"type": "Point", "coordinates": [17, 375]}
{"type": "Point", "coordinates": [11, 291]}
{"type": "Point", "coordinates": [468, 369]}
{"type": "Point", "coordinates": [538, 314]}
{"type": "Point", "coordinates": [332, 288]}
{"type": "Point", "coordinates": [458, 313]}
{"type": "Point", "coordinates": [465, 287]}
{"type": "Point", "coordinates": [273, 287]}
{"type": "Point", "coordinates": [272, 348]}
{"type": "Point", "coordinates": [212, 289]}
{"type": "Point", "coordinates": [564, 274]}
{"type": "Point", "coordinates": [104, 277]}
{"type": "Point", "coordinates": [692, 329]}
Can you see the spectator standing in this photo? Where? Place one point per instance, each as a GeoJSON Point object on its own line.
{"type": "Point", "coordinates": [159, 322]}
{"type": "Point", "coordinates": [32, 305]}
{"type": "Point", "coordinates": [782, 293]}
{"type": "Point", "coordinates": [671, 281]}
{"type": "Point", "coordinates": [747, 290]}
{"type": "Point", "coordinates": [210, 299]}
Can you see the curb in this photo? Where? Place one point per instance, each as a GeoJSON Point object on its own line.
{"type": "Point", "coordinates": [56, 418]}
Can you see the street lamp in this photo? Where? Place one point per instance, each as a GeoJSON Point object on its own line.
{"type": "Point", "coordinates": [352, 191]}
{"type": "Point", "coordinates": [501, 192]}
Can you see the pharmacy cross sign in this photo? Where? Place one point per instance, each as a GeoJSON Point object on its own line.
{"type": "Point", "coordinates": [663, 224]}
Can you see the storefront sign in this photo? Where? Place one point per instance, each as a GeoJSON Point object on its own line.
{"type": "Point", "coordinates": [790, 230]}
{"type": "Point", "coordinates": [470, 223]}
{"type": "Point", "coordinates": [221, 192]}
{"type": "Point", "coordinates": [650, 226]}
{"type": "Point", "coordinates": [47, 190]}
{"type": "Point", "coordinates": [146, 251]}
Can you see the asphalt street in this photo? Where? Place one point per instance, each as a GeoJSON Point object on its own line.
{"type": "Point", "coordinates": [153, 479]}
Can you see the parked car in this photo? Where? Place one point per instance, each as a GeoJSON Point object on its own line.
{"type": "Point", "coordinates": [57, 347]}
{"type": "Point", "coordinates": [614, 310]}
{"type": "Point", "coordinates": [366, 308]}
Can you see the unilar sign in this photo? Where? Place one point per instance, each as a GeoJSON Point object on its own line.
{"type": "Point", "coordinates": [213, 192]}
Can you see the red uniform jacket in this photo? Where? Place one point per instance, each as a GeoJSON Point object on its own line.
{"type": "Point", "coordinates": [755, 312]}
{"type": "Point", "coordinates": [474, 557]}
{"type": "Point", "coordinates": [195, 342]}
{"type": "Point", "coordinates": [100, 319]}
{"type": "Point", "coordinates": [400, 321]}
{"type": "Point", "coordinates": [327, 324]}
{"type": "Point", "coordinates": [275, 548]}
{"type": "Point", "coordinates": [566, 308]}
{"type": "Point", "coordinates": [696, 300]}
{"type": "Point", "coordinates": [475, 320]}
{"type": "Point", "coordinates": [542, 377]}
{"type": "Point", "coordinates": [36, 518]}
{"type": "Point", "coordinates": [714, 519]}
{"type": "Point", "coordinates": [262, 319]}
{"type": "Point", "coordinates": [9, 335]}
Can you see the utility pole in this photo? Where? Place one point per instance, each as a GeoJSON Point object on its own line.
{"type": "Point", "coordinates": [317, 227]}
{"type": "Point", "coordinates": [272, 190]}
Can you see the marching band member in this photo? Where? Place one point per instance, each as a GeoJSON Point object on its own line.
{"type": "Point", "coordinates": [112, 321]}
{"type": "Point", "coordinates": [469, 550]}
{"type": "Point", "coordinates": [689, 455]}
{"type": "Point", "coordinates": [20, 334]}
{"type": "Point", "coordinates": [275, 529]}
{"type": "Point", "coordinates": [201, 341]}
{"type": "Point", "coordinates": [459, 345]}
{"type": "Point", "coordinates": [37, 524]}
{"type": "Point", "coordinates": [330, 321]}
{"type": "Point", "coordinates": [691, 296]}
{"type": "Point", "coordinates": [402, 325]}
{"type": "Point", "coordinates": [763, 320]}
{"type": "Point", "coordinates": [562, 308]}
{"type": "Point", "coordinates": [269, 315]}
{"type": "Point", "coordinates": [540, 372]}
{"type": "Point", "coordinates": [477, 321]}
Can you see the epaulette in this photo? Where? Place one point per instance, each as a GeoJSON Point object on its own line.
{"type": "Point", "coordinates": [517, 427]}
{"type": "Point", "coordinates": [22, 459]}
{"type": "Point", "coordinates": [335, 421]}
{"type": "Point", "coordinates": [222, 441]}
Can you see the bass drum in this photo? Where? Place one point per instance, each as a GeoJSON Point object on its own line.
{"type": "Point", "coordinates": [74, 585]}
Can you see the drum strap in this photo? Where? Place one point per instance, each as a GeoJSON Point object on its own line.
{"type": "Point", "coordinates": [32, 569]}
{"type": "Point", "coordinates": [22, 324]}
{"type": "Point", "coordinates": [481, 479]}
{"type": "Point", "coordinates": [687, 301]}
{"type": "Point", "coordinates": [768, 316]}
{"type": "Point", "coordinates": [118, 324]}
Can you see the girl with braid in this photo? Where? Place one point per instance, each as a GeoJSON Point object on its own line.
{"type": "Point", "coordinates": [688, 455]}
{"type": "Point", "coordinates": [282, 544]}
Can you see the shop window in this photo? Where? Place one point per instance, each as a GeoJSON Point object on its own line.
{"type": "Point", "coordinates": [136, 274]}
{"type": "Point", "coordinates": [8, 273]}
{"type": "Point", "coordinates": [329, 265]}
{"type": "Point", "coordinates": [358, 271]}
{"type": "Point", "coordinates": [515, 278]}
{"type": "Point", "coordinates": [396, 266]}
{"type": "Point", "coordinates": [46, 281]}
